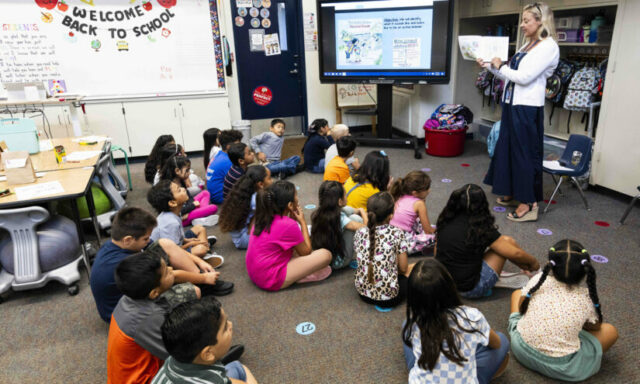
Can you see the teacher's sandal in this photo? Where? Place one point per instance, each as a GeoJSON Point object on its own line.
{"type": "Point", "coordinates": [530, 215]}
{"type": "Point", "coordinates": [508, 203]}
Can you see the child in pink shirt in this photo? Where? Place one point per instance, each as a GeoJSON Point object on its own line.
{"type": "Point", "coordinates": [410, 213]}
{"type": "Point", "coordinates": [279, 230]}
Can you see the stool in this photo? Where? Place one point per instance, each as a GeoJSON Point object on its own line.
{"type": "Point", "coordinates": [115, 148]}
{"type": "Point", "coordinates": [633, 201]}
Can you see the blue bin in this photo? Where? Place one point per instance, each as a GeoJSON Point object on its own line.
{"type": "Point", "coordinates": [20, 135]}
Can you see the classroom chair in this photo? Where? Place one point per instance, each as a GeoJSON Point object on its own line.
{"type": "Point", "coordinates": [576, 143]}
{"type": "Point", "coordinates": [117, 201]}
{"type": "Point", "coordinates": [38, 249]}
{"type": "Point", "coordinates": [631, 204]}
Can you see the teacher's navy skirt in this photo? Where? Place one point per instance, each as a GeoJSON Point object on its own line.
{"type": "Point", "coordinates": [516, 166]}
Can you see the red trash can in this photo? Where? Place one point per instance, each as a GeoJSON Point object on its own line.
{"type": "Point", "coordinates": [444, 142]}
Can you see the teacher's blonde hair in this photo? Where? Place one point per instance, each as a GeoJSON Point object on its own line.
{"type": "Point", "coordinates": [543, 14]}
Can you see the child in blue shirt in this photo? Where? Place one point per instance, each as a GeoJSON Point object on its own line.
{"type": "Point", "coordinates": [316, 145]}
{"type": "Point", "coordinates": [268, 147]}
{"type": "Point", "coordinates": [220, 165]}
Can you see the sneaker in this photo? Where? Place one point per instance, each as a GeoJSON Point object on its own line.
{"type": "Point", "coordinates": [208, 221]}
{"type": "Point", "coordinates": [220, 288]}
{"type": "Point", "coordinates": [512, 282]}
{"type": "Point", "coordinates": [283, 176]}
{"type": "Point", "coordinates": [214, 260]}
{"type": "Point", "coordinates": [212, 240]}
{"type": "Point", "coordinates": [233, 354]}
{"type": "Point", "coordinates": [317, 275]}
{"type": "Point", "coordinates": [300, 168]}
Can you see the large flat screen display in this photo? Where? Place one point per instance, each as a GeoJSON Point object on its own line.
{"type": "Point", "coordinates": [384, 41]}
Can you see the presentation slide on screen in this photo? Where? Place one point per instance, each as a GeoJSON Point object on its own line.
{"type": "Point", "coordinates": [384, 39]}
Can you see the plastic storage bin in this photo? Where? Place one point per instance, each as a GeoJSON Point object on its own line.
{"type": "Point", "coordinates": [444, 142]}
{"type": "Point", "coordinates": [20, 135]}
{"type": "Point", "coordinates": [243, 126]}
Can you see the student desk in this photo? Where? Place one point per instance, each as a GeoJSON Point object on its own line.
{"type": "Point", "coordinates": [75, 182]}
{"type": "Point", "coordinates": [19, 106]}
{"type": "Point", "coordinates": [45, 161]}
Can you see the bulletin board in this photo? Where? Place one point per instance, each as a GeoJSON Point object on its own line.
{"type": "Point", "coordinates": [355, 95]}
{"type": "Point", "coordinates": [113, 49]}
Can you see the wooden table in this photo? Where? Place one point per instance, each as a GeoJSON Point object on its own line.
{"type": "Point", "coordinates": [45, 161]}
{"type": "Point", "coordinates": [75, 182]}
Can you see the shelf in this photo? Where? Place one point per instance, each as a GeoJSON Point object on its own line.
{"type": "Point", "coordinates": [567, 44]}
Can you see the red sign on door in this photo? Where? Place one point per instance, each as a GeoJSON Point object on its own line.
{"type": "Point", "coordinates": [262, 96]}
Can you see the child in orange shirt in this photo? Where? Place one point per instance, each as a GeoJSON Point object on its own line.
{"type": "Point", "coordinates": [337, 169]}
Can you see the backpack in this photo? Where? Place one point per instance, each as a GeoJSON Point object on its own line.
{"type": "Point", "coordinates": [452, 116]}
{"type": "Point", "coordinates": [580, 90]}
{"type": "Point", "coordinates": [557, 84]}
{"type": "Point", "coordinates": [497, 88]}
{"type": "Point", "coordinates": [484, 80]}
{"type": "Point", "coordinates": [492, 139]}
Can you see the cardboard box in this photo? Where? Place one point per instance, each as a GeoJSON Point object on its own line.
{"type": "Point", "coordinates": [18, 167]}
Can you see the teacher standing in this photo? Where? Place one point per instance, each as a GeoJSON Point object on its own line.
{"type": "Point", "coordinates": [516, 167]}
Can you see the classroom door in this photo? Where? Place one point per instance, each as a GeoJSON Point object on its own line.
{"type": "Point", "coordinates": [270, 58]}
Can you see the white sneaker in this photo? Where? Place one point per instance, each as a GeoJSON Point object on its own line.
{"type": "Point", "coordinates": [214, 260]}
{"type": "Point", "coordinates": [208, 221]}
{"type": "Point", "coordinates": [513, 282]}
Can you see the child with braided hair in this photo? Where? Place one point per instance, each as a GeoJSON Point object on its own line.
{"type": "Point", "coordinates": [556, 323]}
{"type": "Point", "coordinates": [381, 252]}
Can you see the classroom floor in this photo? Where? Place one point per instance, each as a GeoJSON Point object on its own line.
{"type": "Point", "coordinates": [47, 336]}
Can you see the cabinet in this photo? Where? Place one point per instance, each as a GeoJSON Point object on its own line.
{"type": "Point", "coordinates": [198, 115]}
{"type": "Point", "coordinates": [110, 116]}
{"type": "Point", "coordinates": [478, 8]}
{"type": "Point", "coordinates": [146, 120]}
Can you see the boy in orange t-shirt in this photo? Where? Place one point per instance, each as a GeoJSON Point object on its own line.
{"type": "Point", "coordinates": [337, 169]}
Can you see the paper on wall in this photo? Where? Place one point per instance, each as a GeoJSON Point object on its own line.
{"type": "Point", "coordinates": [256, 40]}
{"type": "Point", "coordinates": [38, 190]}
{"type": "Point", "coordinates": [484, 47]}
{"type": "Point", "coordinates": [244, 3]}
{"type": "Point", "coordinates": [310, 32]}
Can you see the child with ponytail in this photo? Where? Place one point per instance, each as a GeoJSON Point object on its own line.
{"type": "Point", "coordinates": [197, 210]}
{"type": "Point", "coordinates": [381, 252]}
{"type": "Point", "coordinates": [239, 207]}
{"type": "Point", "coordinates": [316, 145]}
{"type": "Point", "coordinates": [334, 224]}
{"type": "Point", "coordinates": [410, 212]}
{"type": "Point", "coordinates": [556, 323]}
{"type": "Point", "coordinates": [279, 252]}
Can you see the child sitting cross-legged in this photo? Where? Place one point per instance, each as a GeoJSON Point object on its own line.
{"type": "Point", "coordinates": [220, 165]}
{"type": "Point", "coordinates": [371, 178]}
{"type": "Point", "coordinates": [197, 335]}
{"type": "Point", "coordinates": [338, 131]}
{"type": "Point", "coordinates": [381, 252]}
{"type": "Point", "coordinates": [241, 156]}
{"type": "Point", "coordinates": [410, 212]}
{"type": "Point", "coordinates": [316, 145]}
{"type": "Point", "coordinates": [445, 341]}
{"type": "Point", "coordinates": [556, 323]}
{"type": "Point", "coordinates": [168, 198]}
{"type": "Point", "coordinates": [130, 234]}
{"type": "Point", "coordinates": [152, 165]}
{"type": "Point", "coordinates": [197, 210]}
{"type": "Point", "coordinates": [268, 149]}
{"type": "Point", "coordinates": [337, 168]}
{"type": "Point", "coordinates": [280, 252]}
{"type": "Point", "coordinates": [239, 207]}
{"type": "Point", "coordinates": [333, 224]}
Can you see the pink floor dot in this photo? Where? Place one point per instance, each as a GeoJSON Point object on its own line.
{"type": "Point", "coordinates": [465, 165]}
{"type": "Point", "coordinates": [552, 201]}
{"type": "Point", "coordinates": [602, 223]}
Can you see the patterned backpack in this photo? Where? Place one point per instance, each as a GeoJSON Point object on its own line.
{"type": "Point", "coordinates": [483, 83]}
{"type": "Point", "coordinates": [497, 88]}
{"type": "Point", "coordinates": [558, 83]}
{"type": "Point", "coordinates": [580, 90]}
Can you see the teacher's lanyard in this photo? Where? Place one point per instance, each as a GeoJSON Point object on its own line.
{"type": "Point", "coordinates": [515, 63]}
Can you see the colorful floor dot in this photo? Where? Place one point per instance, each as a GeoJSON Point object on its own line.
{"type": "Point", "coordinates": [601, 223]}
{"type": "Point", "coordinates": [544, 232]}
{"type": "Point", "coordinates": [310, 206]}
{"type": "Point", "coordinates": [499, 209]}
{"type": "Point", "coordinates": [305, 328]}
{"type": "Point", "coordinates": [446, 180]}
{"type": "Point", "coordinates": [297, 188]}
{"type": "Point", "coordinates": [426, 169]}
{"type": "Point", "coordinates": [353, 264]}
{"type": "Point", "coordinates": [465, 165]}
{"type": "Point", "coordinates": [599, 259]}
{"type": "Point", "coordinates": [552, 201]}
{"type": "Point", "coordinates": [380, 309]}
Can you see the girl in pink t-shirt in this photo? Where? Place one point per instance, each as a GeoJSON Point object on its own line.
{"type": "Point", "coordinates": [279, 230]}
{"type": "Point", "coordinates": [410, 213]}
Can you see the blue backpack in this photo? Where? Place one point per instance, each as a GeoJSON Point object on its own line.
{"type": "Point", "coordinates": [492, 139]}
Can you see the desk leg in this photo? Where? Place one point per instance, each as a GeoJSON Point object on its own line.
{"type": "Point", "coordinates": [92, 213]}
{"type": "Point", "coordinates": [75, 121]}
{"type": "Point", "coordinates": [76, 218]}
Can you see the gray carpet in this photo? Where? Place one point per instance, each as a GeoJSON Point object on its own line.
{"type": "Point", "coordinates": [49, 336]}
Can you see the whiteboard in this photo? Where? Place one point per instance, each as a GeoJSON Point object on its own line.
{"type": "Point", "coordinates": [112, 48]}
{"type": "Point", "coordinates": [356, 95]}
